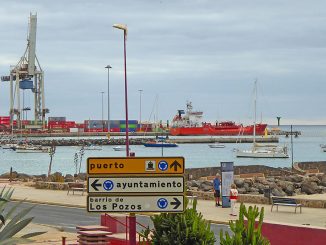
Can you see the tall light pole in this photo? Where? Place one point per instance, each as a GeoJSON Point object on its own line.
{"type": "Point", "coordinates": [102, 112]}
{"type": "Point", "coordinates": [140, 91]}
{"type": "Point", "coordinates": [132, 217]}
{"type": "Point", "coordinates": [108, 67]}
{"type": "Point", "coordinates": [124, 28]}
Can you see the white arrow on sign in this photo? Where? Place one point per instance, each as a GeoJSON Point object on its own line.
{"type": "Point", "coordinates": [145, 184]}
{"type": "Point", "coordinates": [136, 204]}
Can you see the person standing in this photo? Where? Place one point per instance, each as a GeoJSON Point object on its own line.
{"type": "Point", "coordinates": [217, 190]}
{"type": "Point", "coordinates": [233, 198]}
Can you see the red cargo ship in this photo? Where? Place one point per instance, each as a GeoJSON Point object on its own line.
{"type": "Point", "coordinates": [190, 124]}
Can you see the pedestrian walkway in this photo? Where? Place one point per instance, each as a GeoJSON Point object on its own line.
{"type": "Point", "coordinates": [310, 216]}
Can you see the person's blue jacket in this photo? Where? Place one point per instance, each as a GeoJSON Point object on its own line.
{"type": "Point", "coordinates": [217, 183]}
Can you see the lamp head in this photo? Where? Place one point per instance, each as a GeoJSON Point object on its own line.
{"type": "Point", "coordinates": [108, 66]}
{"type": "Point", "coordinates": [121, 27]}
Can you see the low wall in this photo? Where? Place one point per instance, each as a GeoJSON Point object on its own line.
{"type": "Point", "coordinates": [259, 199]}
{"type": "Point", "coordinates": [297, 235]}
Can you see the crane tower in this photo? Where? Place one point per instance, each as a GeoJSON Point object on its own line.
{"type": "Point", "coordinates": [27, 75]}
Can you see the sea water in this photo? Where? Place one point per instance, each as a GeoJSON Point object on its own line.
{"type": "Point", "coordinates": [306, 147]}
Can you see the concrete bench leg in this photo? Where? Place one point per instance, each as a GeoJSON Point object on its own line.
{"type": "Point", "coordinates": [272, 208]}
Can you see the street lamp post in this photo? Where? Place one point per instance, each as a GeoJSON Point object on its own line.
{"type": "Point", "coordinates": [102, 112]}
{"type": "Point", "coordinates": [124, 28]}
{"type": "Point", "coordinates": [108, 67]}
{"type": "Point", "coordinates": [132, 216]}
{"type": "Point", "coordinates": [140, 91]}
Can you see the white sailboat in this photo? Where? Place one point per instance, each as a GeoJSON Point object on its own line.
{"type": "Point", "coordinates": [256, 151]}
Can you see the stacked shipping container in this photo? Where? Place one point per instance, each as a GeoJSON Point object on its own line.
{"type": "Point", "coordinates": [115, 125]}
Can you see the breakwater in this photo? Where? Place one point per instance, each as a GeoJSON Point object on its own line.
{"type": "Point", "coordinates": [133, 141]}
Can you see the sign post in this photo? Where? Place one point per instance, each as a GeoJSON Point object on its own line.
{"type": "Point", "coordinates": [135, 185]}
{"type": "Point", "coordinates": [227, 180]}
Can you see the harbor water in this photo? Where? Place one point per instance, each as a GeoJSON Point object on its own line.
{"type": "Point", "coordinates": [306, 147]}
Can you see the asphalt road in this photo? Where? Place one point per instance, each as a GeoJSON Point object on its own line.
{"type": "Point", "coordinates": [68, 218]}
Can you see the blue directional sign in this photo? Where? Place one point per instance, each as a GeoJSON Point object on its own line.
{"type": "Point", "coordinates": [162, 203]}
{"type": "Point", "coordinates": [108, 185]}
{"type": "Point", "coordinates": [163, 165]}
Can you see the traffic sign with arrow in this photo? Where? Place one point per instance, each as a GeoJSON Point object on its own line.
{"type": "Point", "coordinates": [136, 204]}
{"type": "Point", "coordinates": [130, 184]}
{"type": "Point", "coordinates": [135, 165]}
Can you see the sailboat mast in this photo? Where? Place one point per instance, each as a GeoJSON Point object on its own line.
{"type": "Point", "coordinates": [255, 108]}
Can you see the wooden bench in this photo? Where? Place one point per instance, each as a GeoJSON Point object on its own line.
{"type": "Point", "coordinates": [281, 201]}
{"type": "Point", "coordinates": [75, 186]}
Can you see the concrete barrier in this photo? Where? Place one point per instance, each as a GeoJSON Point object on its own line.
{"type": "Point", "coordinates": [293, 235]}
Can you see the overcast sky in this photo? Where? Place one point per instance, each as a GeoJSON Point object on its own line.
{"type": "Point", "coordinates": [207, 52]}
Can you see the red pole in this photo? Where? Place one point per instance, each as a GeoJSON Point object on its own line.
{"type": "Point", "coordinates": [132, 229]}
{"type": "Point", "coordinates": [132, 224]}
{"type": "Point", "coordinates": [126, 94]}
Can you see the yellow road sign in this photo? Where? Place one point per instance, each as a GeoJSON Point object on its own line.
{"type": "Point", "coordinates": [135, 165]}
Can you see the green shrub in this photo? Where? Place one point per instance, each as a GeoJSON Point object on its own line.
{"type": "Point", "coordinates": [10, 225]}
{"type": "Point", "coordinates": [181, 228]}
{"type": "Point", "coordinates": [245, 234]}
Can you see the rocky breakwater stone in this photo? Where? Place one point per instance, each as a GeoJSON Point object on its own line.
{"type": "Point", "coordinates": [239, 183]}
{"type": "Point", "coordinates": [206, 186]}
{"type": "Point", "coordinates": [323, 180]}
{"type": "Point", "coordinates": [309, 187]}
{"type": "Point", "coordinates": [69, 178]}
{"type": "Point", "coordinates": [277, 191]}
{"type": "Point", "coordinates": [294, 178]}
{"type": "Point", "coordinates": [286, 186]}
{"type": "Point", "coordinates": [193, 183]}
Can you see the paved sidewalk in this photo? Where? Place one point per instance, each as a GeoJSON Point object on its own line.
{"type": "Point", "coordinates": [309, 216]}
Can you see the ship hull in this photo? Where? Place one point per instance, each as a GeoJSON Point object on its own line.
{"type": "Point", "coordinates": [219, 131]}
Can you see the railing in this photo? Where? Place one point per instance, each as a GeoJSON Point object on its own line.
{"type": "Point", "coordinates": [107, 219]}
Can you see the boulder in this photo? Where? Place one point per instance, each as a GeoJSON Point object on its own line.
{"type": "Point", "coordinates": [249, 182]}
{"type": "Point", "coordinates": [297, 191]}
{"type": "Point", "coordinates": [294, 178]}
{"type": "Point", "coordinates": [278, 192]}
{"type": "Point", "coordinates": [247, 187]}
{"type": "Point", "coordinates": [69, 178]}
{"type": "Point", "coordinates": [206, 186]}
{"type": "Point", "coordinates": [309, 187]}
{"type": "Point", "coordinates": [193, 183]}
{"type": "Point", "coordinates": [284, 184]}
{"type": "Point", "coordinates": [289, 190]}
{"type": "Point", "coordinates": [242, 191]}
{"type": "Point", "coordinates": [270, 179]}
{"type": "Point", "coordinates": [260, 187]}
{"type": "Point", "coordinates": [313, 178]}
{"type": "Point", "coordinates": [320, 189]}
{"type": "Point", "coordinates": [323, 180]}
{"type": "Point", "coordinates": [272, 185]}
{"type": "Point", "coordinates": [260, 180]}
{"type": "Point", "coordinates": [253, 189]}
{"type": "Point", "coordinates": [239, 183]}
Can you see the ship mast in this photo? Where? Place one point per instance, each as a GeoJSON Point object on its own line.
{"type": "Point", "coordinates": [255, 113]}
